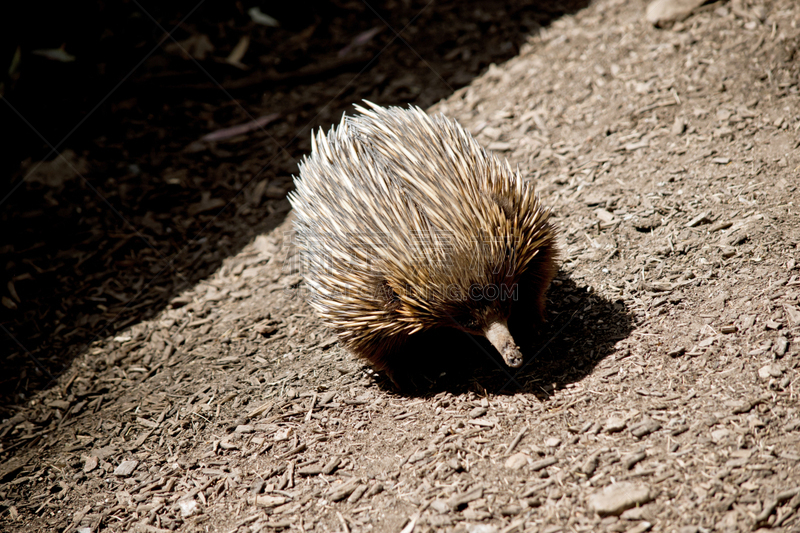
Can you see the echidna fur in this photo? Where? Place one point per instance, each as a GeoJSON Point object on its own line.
{"type": "Point", "coordinates": [406, 224]}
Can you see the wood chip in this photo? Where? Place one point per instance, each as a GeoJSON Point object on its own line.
{"type": "Point", "coordinates": [543, 463]}
{"type": "Point", "coordinates": [457, 500]}
{"type": "Point", "coordinates": [268, 500]}
{"type": "Point", "coordinates": [126, 468]}
{"type": "Point", "coordinates": [702, 218]}
{"type": "Point", "coordinates": [263, 409]}
{"type": "Point", "coordinates": [513, 444]}
{"type": "Point", "coordinates": [721, 225]}
{"type": "Point", "coordinates": [342, 490]}
{"type": "Point", "coordinates": [331, 465]}
{"type": "Point", "coordinates": [616, 498]}
{"type": "Point", "coordinates": [632, 460]}
{"type": "Point", "coordinates": [373, 490]}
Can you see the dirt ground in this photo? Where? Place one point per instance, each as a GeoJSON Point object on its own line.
{"type": "Point", "coordinates": [662, 395]}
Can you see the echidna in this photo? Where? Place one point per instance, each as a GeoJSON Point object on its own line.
{"type": "Point", "coordinates": [406, 224]}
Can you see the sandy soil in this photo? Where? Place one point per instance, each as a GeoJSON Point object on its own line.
{"type": "Point", "coordinates": [662, 395]}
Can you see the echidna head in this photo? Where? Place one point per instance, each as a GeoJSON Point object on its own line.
{"type": "Point", "coordinates": [478, 296]}
{"type": "Point", "coordinates": [489, 318]}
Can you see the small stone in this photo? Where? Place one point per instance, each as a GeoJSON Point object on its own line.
{"type": "Point", "coordinates": [679, 126]}
{"type": "Point", "coordinates": [794, 314]}
{"type": "Point", "coordinates": [615, 424]}
{"type": "Point", "coordinates": [90, 464]}
{"type": "Point", "coordinates": [763, 372]}
{"type": "Point", "coordinates": [553, 442]}
{"type": "Point", "coordinates": [780, 346]}
{"type": "Point", "coordinates": [517, 461]}
{"type": "Point", "coordinates": [616, 498]}
{"type": "Point", "coordinates": [771, 324]}
{"type": "Point", "coordinates": [742, 454]}
{"type": "Point", "coordinates": [126, 468]}
{"type": "Point", "coordinates": [748, 321]}
{"type": "Point", "coordinates": [188, 507]}
{"type": "Point", "coordinates": [661, 12]}
{"type": "Point", "coordinates": [770, 371]}
{"type": "Point", "coordinates": [244, 428]}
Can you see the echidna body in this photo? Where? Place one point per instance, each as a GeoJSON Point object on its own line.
{"type": "Point", "coordinates": [406, 224]}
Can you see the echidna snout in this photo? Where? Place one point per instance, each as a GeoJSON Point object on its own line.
{"type": "Point", "coordinates": [406, 225]}
{"type": "Point", "coordinates": [498, 334]}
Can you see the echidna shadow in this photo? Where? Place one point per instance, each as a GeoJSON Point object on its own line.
{"type": "Point", "coordinates": [582, 329]}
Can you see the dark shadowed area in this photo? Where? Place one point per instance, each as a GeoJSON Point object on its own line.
{"type": "Point", "coordinates": [582, 328]}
